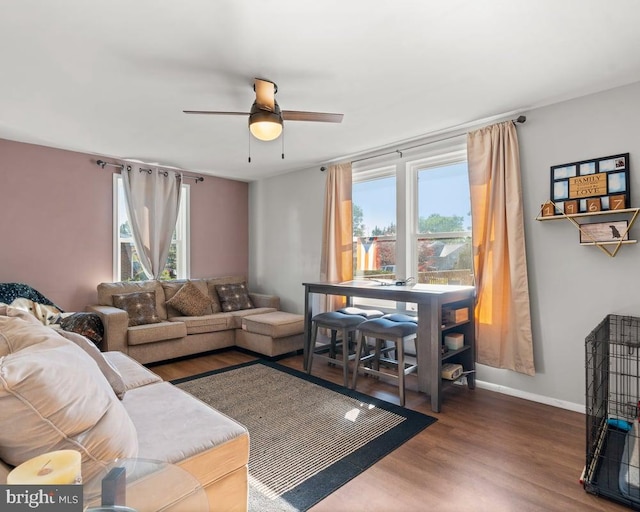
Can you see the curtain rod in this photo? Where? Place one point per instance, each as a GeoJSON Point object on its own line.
{"type": "Point", "coordinates": [519, 119]}
{"type": "Point", "coordinates": [103, 164]}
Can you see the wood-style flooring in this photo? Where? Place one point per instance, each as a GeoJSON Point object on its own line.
{"type": "Point", "coordinates": [487, 451]}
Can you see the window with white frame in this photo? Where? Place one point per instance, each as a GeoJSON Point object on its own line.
{"type": "Point", "coordinates": [412, 217]}
{"type": "Point", "coordinates": [126, 265]}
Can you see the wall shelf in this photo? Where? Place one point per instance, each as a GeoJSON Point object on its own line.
{"type": "Point", "coordinates": [630, 213]}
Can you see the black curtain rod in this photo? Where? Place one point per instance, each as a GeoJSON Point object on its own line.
{"type": "Point", "coordinates": [519, 119]}
{"type": "Point", "coordinates": [103, 164]}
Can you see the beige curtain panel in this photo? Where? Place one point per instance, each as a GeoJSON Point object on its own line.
{"type": "Point", "coordinates": [503, 318]}
{"type": "Point", "coordinates": [336, 263]}
{"type": "Point", "coordinates": [153, 200]}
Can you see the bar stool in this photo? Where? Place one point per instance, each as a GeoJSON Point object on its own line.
{"type": "Point", "coordinates": [335, 321]}
{"type": "Point", "coordinates": [385, 329]}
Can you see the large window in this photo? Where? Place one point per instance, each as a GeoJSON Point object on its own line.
{"type": "Point", "coordinates": [412, 218]}
{"type": "Point", "coordinates": [126, 265]}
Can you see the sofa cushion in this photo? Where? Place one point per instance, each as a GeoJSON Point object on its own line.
{"type": "Point", "coordinates": [108, 370]}
{"type": "Point", "coordinates": [54, 397]}
{"type": "Point", "coordinates": [239, 315]}
{"type": "Point", "coordinates": [234, 297]}
{"type": "Point", "coordinates": [207, 323]}
{"type": "Point", "coordinates": [141, 307]}
{"type": "Point", "coordinates": [161, 410]}
{"type": "Point", "coordinates": [190, 301]}
{"type": "Point", "coordinates": [276, 325]}
{"type": "Point", "coordinates": [150, 333]}
{"type": "Point", "coordinates": [106, 291]}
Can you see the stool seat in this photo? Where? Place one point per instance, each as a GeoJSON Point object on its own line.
{"type": "Point", "coordinates": [401, 317]}
{"type": "Point", "coordinates": [367, 313]}
{"type": "Point", "coordinates": [381, 327]}
{"type": "Point", "coordinates": [337, 320]}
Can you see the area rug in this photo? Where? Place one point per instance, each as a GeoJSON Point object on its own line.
{"type": "Point", "coordinates": [308, 436]}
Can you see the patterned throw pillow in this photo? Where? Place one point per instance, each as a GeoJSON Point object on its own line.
{"type": "Point", "coordinates": [190, 301]}
{"type": "Point", "coordinates": [234, 297]}
{"type": "Point", "coordinates": [87, 324]}
{"type": "Point", "coordinates": [141, 307]}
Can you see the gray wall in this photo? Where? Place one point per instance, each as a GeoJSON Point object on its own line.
{"type": "Point", "coordinates": [572, 287]}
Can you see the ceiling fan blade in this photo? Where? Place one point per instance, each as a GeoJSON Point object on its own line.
{"type": "Point", "coordinates": [213, 112]}
{"type": "Point", "coordinates": [265, 94]}
{"type": "Point", "coordinates": [325, 117]}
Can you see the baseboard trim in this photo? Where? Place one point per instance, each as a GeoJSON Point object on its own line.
{"type": "Point", "coordinates": [518, 393]}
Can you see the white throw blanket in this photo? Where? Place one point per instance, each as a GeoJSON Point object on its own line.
{"type": "Point", "coordinates": [47, 315]}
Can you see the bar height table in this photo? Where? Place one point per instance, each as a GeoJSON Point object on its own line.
{"type": "Point", "coordinates": [430, 299]}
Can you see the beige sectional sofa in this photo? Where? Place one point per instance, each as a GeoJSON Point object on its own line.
{"type": "Point", "coordinates": [57, 391]}
{"type": "Point", "coordinates": [174, 334]}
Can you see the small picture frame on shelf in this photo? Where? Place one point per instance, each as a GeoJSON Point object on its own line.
{"type": "Point", "coordinates": [614, 231]}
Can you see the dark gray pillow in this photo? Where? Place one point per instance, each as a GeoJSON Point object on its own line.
{"type": "Point", "coordinates": [234, 297]}
{"type": "Point", "coordinates": [141, 307]}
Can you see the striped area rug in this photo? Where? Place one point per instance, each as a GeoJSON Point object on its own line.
{"type": "Point", "coordinates": [308, 436]}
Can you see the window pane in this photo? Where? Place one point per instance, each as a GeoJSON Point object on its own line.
{"type": "Point", "coordinates": [444, 225]}
{"type": "Point", "coordinates": [374, 227]}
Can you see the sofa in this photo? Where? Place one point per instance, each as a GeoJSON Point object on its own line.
{"type": "Point", "coordinates": [58, 391]}
{"type": "Point", "coordinates": [156, 320]}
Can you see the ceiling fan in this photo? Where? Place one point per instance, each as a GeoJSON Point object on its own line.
{"type": "Point", "coordinates": [266, 117]}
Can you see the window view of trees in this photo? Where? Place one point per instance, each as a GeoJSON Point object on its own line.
{"type": "Point", "coordinates": [130, 266]}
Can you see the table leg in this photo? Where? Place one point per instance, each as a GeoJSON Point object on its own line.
{"type": "Point", "coordinates": [308, 312]}
{"type": "Point", "coordinates": [429, 353]}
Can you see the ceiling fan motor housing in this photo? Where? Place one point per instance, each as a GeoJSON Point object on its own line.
{"type": "Point", "coordinates": [265, 124]}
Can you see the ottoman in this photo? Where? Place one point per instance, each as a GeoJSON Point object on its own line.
{"type": "Point", "coordinates": [271, 334]}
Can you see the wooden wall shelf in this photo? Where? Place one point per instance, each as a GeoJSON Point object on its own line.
{"type": "Point", "coordinates": [630, 213]}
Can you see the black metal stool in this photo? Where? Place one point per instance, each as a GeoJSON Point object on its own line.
{"type": "Point", "coordinates": [385, 329]}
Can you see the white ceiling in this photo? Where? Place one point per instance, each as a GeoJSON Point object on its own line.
{"type": "Point", "coordinates": [111, 77]}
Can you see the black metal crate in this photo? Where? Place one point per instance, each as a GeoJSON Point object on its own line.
{"type": "Point", "coordinates": [613, 395]}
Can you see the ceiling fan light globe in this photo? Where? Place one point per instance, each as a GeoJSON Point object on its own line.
{"type": "Point", "coordinates": [266, 130]}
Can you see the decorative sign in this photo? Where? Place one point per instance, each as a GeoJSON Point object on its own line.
{"type": "Point", "coordinates": [591, 185]}
{"type": "Point", "coordinates": [604, 232]}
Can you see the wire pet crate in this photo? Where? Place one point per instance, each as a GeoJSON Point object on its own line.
{"type": "Point", "coordinates": [613, 398]}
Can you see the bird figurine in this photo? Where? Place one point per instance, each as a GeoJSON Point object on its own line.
{"type": "Point", "coordinates": [614, 232]}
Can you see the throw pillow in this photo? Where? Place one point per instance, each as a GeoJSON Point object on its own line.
{"type": "Point", "coordinates": [87, 324]}
{"type": "Point", "coordinates": [190, 301]}
{"type": "Point", "coordinates": [141, 307]}
{"type": "Point", "coordinates": [54, 397]}
{"type": "Point", "coordinates": [234, 297]}
{"type": "Point", "coordinates": [108, 370]}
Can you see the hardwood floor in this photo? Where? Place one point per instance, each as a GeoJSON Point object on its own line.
{"type": "Point", "coordinates": [487, 451]}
